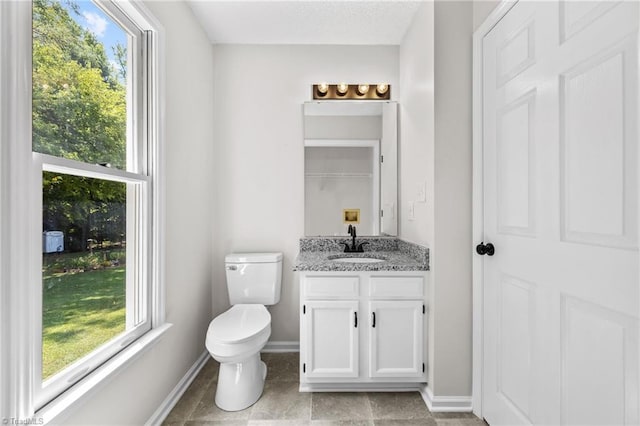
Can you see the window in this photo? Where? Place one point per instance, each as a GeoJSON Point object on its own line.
{"type": "Point", "coordinates": [93, 148]}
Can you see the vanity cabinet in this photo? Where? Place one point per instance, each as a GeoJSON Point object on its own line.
{"type": "Point", "coordinates": [362, 329]}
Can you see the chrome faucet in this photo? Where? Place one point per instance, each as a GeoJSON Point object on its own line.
{"type": "Point", "coordinates": [353, 249]}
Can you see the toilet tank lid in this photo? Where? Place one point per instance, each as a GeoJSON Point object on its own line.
{"type": "Point", "coordinates": [253, 258]}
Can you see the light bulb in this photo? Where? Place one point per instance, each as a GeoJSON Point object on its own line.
{"type": "Point", "coordinates": [323, 88]}
{"type": "Point", "coordinates": [342, 88]}
{"type": "Point", "coordinates": [363, 89]}
{"type": "Point", "coordinates": [382, 88]}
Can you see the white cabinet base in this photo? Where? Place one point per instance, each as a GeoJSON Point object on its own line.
{"type": "Point", "coordinates": [363, 387]}
{"type": "Point", "coordinates": [363, 331]}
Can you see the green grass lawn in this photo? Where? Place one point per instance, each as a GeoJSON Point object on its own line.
{"type": "Point", "coordinates": [81, 311]}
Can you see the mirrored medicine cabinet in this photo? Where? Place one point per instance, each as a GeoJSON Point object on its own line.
{"type": "Point", "coordinates": [351, 167]}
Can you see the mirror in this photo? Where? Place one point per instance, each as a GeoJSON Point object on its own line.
{"type": "Point", "coordinates": [350, 167]}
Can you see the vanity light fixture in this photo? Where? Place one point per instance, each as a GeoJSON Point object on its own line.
{"type": "Point", "coordinates": [344, 91]}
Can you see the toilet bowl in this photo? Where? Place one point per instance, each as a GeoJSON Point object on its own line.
{"type": "Point", "coordinates": [235, 339]}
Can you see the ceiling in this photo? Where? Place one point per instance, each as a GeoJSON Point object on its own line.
{"type": "Point", "coordinates": [305, 22]}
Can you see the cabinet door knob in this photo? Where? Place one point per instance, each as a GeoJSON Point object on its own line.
{"type": "Point", "coordinates": [373, 321]}
{"type": "Point", "coordinates": [355, 319]}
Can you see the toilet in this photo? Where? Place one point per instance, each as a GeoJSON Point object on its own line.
{"type": "Point", "coordinates": [235, 337]}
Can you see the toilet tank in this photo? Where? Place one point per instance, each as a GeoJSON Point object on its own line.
{"type": "Point", "coordinates": [254, 277]}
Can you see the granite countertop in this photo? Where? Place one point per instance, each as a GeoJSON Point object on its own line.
{"type": "Point", "coordinates": [316, 254]}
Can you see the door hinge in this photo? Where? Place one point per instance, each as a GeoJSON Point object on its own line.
{"type": "Point", "coordinates": [304, 367]}
{"type": "Point", "coordinates": [381, 213]}
{"type": "Point", "coordinates": [423, 367]}
{"type": "Point", "coordinates": [304, 309]}
{"type": "Point", "coordinates": [423, 309]}
{"type": "Point", "coordinates": [382, 158]}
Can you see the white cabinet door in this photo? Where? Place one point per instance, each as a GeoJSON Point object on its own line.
{"type": "Point", "coordinates": [396, 338]}
{"type": "Point", "coordinates": [560, 124]}
{"type": "Point", "coordinates": [331, 333]}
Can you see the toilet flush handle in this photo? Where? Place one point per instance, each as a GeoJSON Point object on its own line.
{"type": "Point", "coordinates": [232, 268]}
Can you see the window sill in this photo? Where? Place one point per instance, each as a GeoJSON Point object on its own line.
{"type": "Point", "coordinates": [62, 405]}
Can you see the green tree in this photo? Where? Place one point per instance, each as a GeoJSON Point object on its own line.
{"type": "Point", "coordinates": [79, 113]}
{"type": "Point", "coordinates": [79, 104]}
{"type": "Point", "coordinates": [120, 53]}
{"type": "Point", "coordinates": [84, 208]}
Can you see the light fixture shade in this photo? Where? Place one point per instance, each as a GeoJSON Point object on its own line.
{"type": "Point", "coordinates": [323, 88]}
{"type": "Point", "coordinates": [363, 89]}
{"type": "Point", "coordinates": [342, 88]}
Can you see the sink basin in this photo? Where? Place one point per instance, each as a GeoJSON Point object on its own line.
{"type": "Point", "coordinates": [357, 260]}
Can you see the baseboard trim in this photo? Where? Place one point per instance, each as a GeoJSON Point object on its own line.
{"type": "Point", "coordinates": [445, 404]}
{"type": "Point", "coordinates": [176, 393]}
{"type": "Point", "coordinates": [360, 387]}
{"type": "Point", "coordinates": [272, 347]}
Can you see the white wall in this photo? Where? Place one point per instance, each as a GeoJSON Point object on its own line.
{"type": "Point", "coordinates": [435, 147]}
{"type": "Point", "coordinates": [417, 141]}
{"type": "Point", "coordinates": [134, 395]}
{"type": "Point", "coordinates": [259, 154]}
{"type": "Point", "coordinates": [453, 249]}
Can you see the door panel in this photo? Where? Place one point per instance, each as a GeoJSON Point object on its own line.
{"type": "Point", "coordinates": [516, 53]}
{"type": "Point", "coordinates": [577, 15]}
{"type": "Point", "coordinates": [332, 339]}
{"type": "Point", "coordinates": [516, 161]}
{"type": "Point", "coordinates": [586, 326]}
{"type": "Point", "coordinates": [597, 150]}
{"type": "Point", "coordinates": [560, 113]}
{"type": "Point", "coordinates": [515, 341]}
{"type": "Point", "coordinates": [396, 339]}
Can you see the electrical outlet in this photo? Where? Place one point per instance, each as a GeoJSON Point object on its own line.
{"type": "Point", "coordinates": [422, 192]}
{"type": "Point", "coordinates": [412, 211]}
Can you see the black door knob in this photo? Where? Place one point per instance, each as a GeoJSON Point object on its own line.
{"type": "Point", "coordinates": [487, 249]}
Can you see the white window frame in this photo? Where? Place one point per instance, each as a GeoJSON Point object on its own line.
{"type": "Point", "coordinates": [20, 218]}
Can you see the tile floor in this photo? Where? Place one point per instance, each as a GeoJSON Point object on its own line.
{"type": "Point", "coordinates": [282, 404]}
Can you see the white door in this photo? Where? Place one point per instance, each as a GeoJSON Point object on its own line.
{"type": "Point", "coordinates": [396, 339]}
{"type": "Point", "coordinates": [560, 137]}
{"type": "Point", "coordinates": [331, 339]}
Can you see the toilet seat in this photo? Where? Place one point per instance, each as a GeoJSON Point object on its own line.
{"type": "Point", "coordinates": [239, 324]}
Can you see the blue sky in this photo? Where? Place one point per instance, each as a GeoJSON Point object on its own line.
{"type": "Point", "coordinates": [95, 20]}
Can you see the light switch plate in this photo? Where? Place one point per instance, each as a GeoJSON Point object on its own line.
{"type": "Point", "coordinates": [422, 192]}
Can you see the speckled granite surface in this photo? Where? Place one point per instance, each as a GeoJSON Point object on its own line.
{"type": "Point", "coordinates": [336, 243]}
{"type": "Point", "coordinates": [316, 254]}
